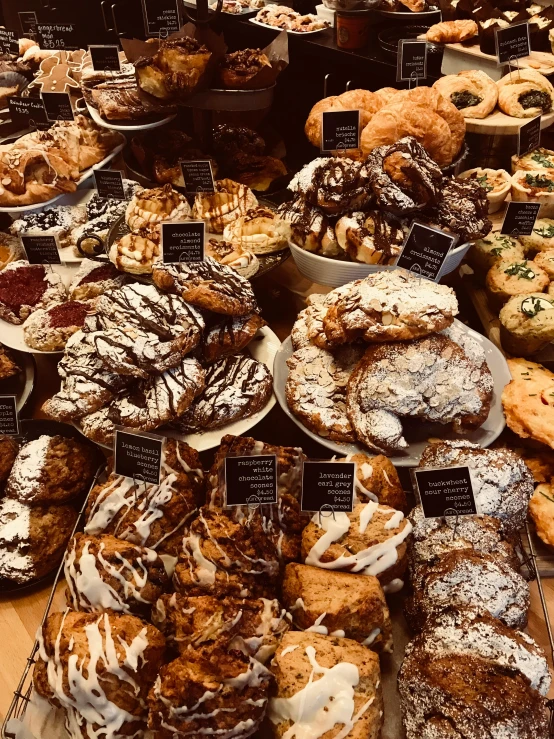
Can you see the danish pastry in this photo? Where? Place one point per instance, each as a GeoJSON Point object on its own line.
{"type": "Point", "coordinates": [258, 231]}
{"type": "Point", "coordinates": [471, 91]}
{"type": "Point", "coordinates": [48, 329]}
{"type": "Point", "coordinates": [27, 287]}
{"type": "Point", "coordinates": [137, 252]}
{"type": "Point", "coordinates": [334, 184]}
{"type": "Point", "coordinates": [309, 227]}
{"type": "Point", "coordinates": [153, 206]}
{"type": "Point", "coordinates": [238, 70]}
{"type": "Point", "coordinates": [208, 285]}
{"type": "Point", "coordinates": [92, 279]}
{"type": "Point", "coordinates": [525, 94]}
{"type": "Point", "coordinates": [429, 378]}
{"type": "Point", "coordinates": [452, 32]}
{"type": "Point", "coordinates": [233, 255]}
{"type": "Point", "coordinates": [220, 208]}
{"type": "Point", "coordinates": [368, 103]}
{"type": "Point", "coordinates": [175, 69]}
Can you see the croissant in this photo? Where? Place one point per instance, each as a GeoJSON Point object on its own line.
{"type": "Point", "coordinates": [452, 32]}
{"type": "Point", "coordinates": [472, 92]}
{"type": "Point", "coordinates": [368, 103]}
{"type": "Point", "coordinates": [525, 94]}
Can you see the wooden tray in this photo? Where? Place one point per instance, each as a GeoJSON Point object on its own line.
{"type": "Point", "coordinates": [500, 124]}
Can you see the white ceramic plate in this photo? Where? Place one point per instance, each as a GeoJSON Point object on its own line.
{"type": "Point", "coordinates": [294, 33]}
{"type": "Point", "coordinates": [12, 335]}
{"type": "Point", "coordinates": [484, 436]}
{"type": "Point", "coordinates": [85, 175]}
{"type": "Point", "coordinates": [130, 126]}
{"type": "Point", "coordinates": [263, 347]}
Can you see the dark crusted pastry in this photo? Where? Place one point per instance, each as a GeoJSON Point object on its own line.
{"type": "Point", "coordinates": [446, 696]}
{"type": "Point", "coordinates": [403, 176]}
{"type": "Point", "coordinates": [8, 452]}
{"type": "Point", "coordinates": [339, 604]}
{"type": "Point", "coordinates": [99, 667]}
{"type": "Point", "coordinates": [93, 279]}
{"type": "Point", "coordinates": [433, 537]}
{"type": "Point", "coordinates": [25, 287]}
{"type": "Point", "coordinates": [236, 387]}
{"type": "Point", "coordinates": [254, 627]}
{"type": "Point", "coordinates": [208, 285]}
{"type": "Point", "coordinates": [229, 335]}
{"type": "Point", "coordinates": [150, 515]}
{"type": "Point", "coordinates": [103, 573]}
{"type": "Point", "coordinates": [209, 691]}
{"type": "Point", "coordinates": [174, 70]}
{"type": "Point", "coordinates": [282, 523]}
{"type": "Point", "coordinates": [502, 482]}
{"type": "Point", "coordinates": [372, 238]}
{"type": "Point", "coordinates": [372, 540]}
{"type": "Point", "coordinates": [50, 469]}
{"type": "Point", "coordinates": [463, 209]}
{"type": "Point", "coordinates": [121, 100]}
{"type": "Point", "coordinates": [231, 140]}
{"type": "Point", "coordinates": [238, 70]}
{"type": "Point", "coordinates": [255, 171]}
{"type": "Point", "coordinates": [8, 367]}
{"type": "Point", "coordinates": [468, 578]}
{"type": "Point", "coordinates": [33, 538]}
{"type": "Point", "coordinates": [333, 184]}
{"type": "Point", "coordinates": [221, 557]}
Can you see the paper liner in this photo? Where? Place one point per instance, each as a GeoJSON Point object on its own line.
{"type": "Point", "coordinates": [278, 54]}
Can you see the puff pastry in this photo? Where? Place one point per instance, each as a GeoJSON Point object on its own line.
{"type": "Point", "coordinates": [525, 94]}
{"type": "Point", "coordinates": [452, 32]}
{"type": "Point", "coordinates": [368, 103]}
{"type": "Point", "coordinates": [472, 92]}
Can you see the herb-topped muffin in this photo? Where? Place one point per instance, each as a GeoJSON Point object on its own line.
{"type": "Point", "coordinates": [494, 248]}
{"type": "Point", "coordinates": [539, 158]}
{"type": "Point", "coordinates": [536, 186]}
{"type": "Point", "coordinates": [527, 323]}
{"type": "Point", "coordinates": [545, 260]}
{"type": "Point", "coordinates": [507, 279]}
{"type": "Point", "coordinates": [542, 236]}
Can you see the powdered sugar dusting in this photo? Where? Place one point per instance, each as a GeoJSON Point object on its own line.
{"type": "Point", "coordinates": [15, 563]}
{"type": "Point", "coordinates": [24, 481]}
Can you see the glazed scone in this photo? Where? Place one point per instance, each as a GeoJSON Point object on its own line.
{"type": "Point", "coordinates": [253, 626]}
{"type": "Point", "coordinates": [539, 158]}
{"type": "Point", "coordinates": [527, 323]}
{"type": "Point", "coordinates": [528, 401]}
{"type": "Point", "coordinates": [536, 186]}
{"type": "Point", "coordinates": [372, 540]}
{"type": "Point", "coordinates": [467, 578]}
{"type": "Point", "coordinates": [338, 604]}
{"type": "Point", "coordinates": [325, 684]}
{"type": "Point", "coordinates": [502, 482]}
{"type": "Point", "coordinates": [507, 279]}
{"type": "Point", "coordinates": [496, 247]}
{"type": "Point", "coordinates": [377, 479]}
{"type": "Point", "coordinates": [496, 183]}
{"type": "Point", "coordinates": [542, 236]}
{"type": "Point", "coordinates": [545, 260]}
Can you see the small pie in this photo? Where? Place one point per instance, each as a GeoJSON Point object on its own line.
{"type": "Point", "coordinates": [25, 288]}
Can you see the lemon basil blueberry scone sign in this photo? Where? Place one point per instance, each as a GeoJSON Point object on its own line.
{"type": "Point", "coordinates": [138, 456]}
{"type": "Point", "coordinates": [9, 419]}
{"type": "Point", "coordinates": [446, 492]}
{"type": "Point", "coordinates": [251, 480]}
{"type": "Point", "coordinates": [328, 486]}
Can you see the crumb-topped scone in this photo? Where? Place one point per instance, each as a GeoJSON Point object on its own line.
{"type": "Point", "coordinates": [26, 287]}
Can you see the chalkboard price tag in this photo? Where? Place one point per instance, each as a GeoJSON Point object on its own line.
{"type": "Point", "coordinates": [138, 456]}
{"type": "Point", "coordinates": [183, 242]}
{"type": "Point", "coordinates": [520, 218]}
{"type": "Point", "coordinates": [28, 112]}
{"type": "Point", "coordinates": [340, 130]}
{"type": "Point", "coordinates": [425, 250]}
{"type": "Point", "coordinates": [512, 42]}
{"type": "Point", "coordinates": [109, 183]}
{"type": "Point", "coordinates": [251, 480]}
{"type": "Point", "coordinates": [328, 486]}
{"type": "Point", "coordinates": [105, 58]}
{"type": "Point", "coordinates": [446, 492]}
{"type": "Point", "coordinates": [529, 137]}
{"type": "Point", "coordinates": [9, 41]}
{"type": "Point", "coordinates": [58, 36]}
{"type": "Point", "coordinates": [160, 17]}
{"type": "Point", "coordinates": [41, 249]}
{"type": "Point", "coordinates": [9, 417]}
{"type": "Point", "coordinates": [28, 22]}
{"type": "Point", "coordinates": [58, 106]}
{"type": "Point", "coordinates": [198, 175]}
{"type": "Point", "coordinates": [411, 63]}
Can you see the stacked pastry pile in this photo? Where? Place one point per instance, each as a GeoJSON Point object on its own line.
{"type": "Point", "coordinates": [149, 355]}
{"type": "Point", "coordinates": [41, 479]}
{"type": "Point", "coordinates": [362, 210]}
{"type": "Point", "coordinates": [232, 210]}
{"type": "Point", "coordinates": [383, 349]}
{"type": "Point", "coordinates": [186, 652]}
{"type": "Point", "coordinates": [281, 16]}
{"type": "Point", "coordinates": [237, 153]}
{"type": "Point", "coordinates": [43, 164]}
{"type": "Point", "coordinates": [469, 666]}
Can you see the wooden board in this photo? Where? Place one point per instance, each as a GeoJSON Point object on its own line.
{"type": "Point", "coordinates": [541, 61]}
{"type": "Point", "coordinates": [500, 124]}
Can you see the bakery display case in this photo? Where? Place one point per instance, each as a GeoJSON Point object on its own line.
{"type": "Point", "coordinates": [276, 369]}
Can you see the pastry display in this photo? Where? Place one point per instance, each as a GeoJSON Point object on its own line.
{"type": "Point", "coordinates": [281, 16]}
{"type": "Point", "coordinates": [525, 95]}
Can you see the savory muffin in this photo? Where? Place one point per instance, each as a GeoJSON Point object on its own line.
{"type": "Point", "coordinates": [506, 279]}
{"type": "Point", "coordinates": [496, 247]}
{"type": "Point", "coordinates": [527, 323]}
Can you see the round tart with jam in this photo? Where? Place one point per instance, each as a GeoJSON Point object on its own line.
{"type": "Point", "coordinates": [25, 288]}
{"type": "Point", "coordinates": [93, 279]}
{"type": "Point", "coordinates": [48, 329]}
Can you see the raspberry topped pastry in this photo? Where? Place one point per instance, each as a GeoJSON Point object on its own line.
{"type": "Point", "coordinates": [25, 288]}
{"type": "Point", "coordinates": [48, 329]}
{"type": "Point", "coordinates": [93, 279]}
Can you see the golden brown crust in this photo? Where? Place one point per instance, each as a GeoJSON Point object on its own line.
{"type": "Point", "coordinates": [8, 452]}
{"type": "Point", "coordinates": [528, 401]}
{"type": "Point", "coordinates": [452, 32]}
{"type": "Point", "coordinates": [477, 87]}
{"type": "Point", "coordinates": [378, 475]}
{"type": "Point", "coordinates": [541, 510]}
{"type": "Point", "coordinates": [368, 103]}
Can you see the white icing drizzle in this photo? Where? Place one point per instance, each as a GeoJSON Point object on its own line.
{"type": "Point", "coordinates": [371, 637]}
{"type": "Point", "coordinates": [395, 520]}
{"type": "Point", "coordinates": [298, 604]}
{"type": "Point", "coordinates": [316, 627]}
{"type": "Point", "coordinates": [394, 586]}
{"type": "Point", "coordinates": [321, 704]}
{"type": "Point", "coordinates": [288, 650]}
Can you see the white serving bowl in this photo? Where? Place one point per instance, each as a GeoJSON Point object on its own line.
{"type": "Point", "coordinates": [335, 272]}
